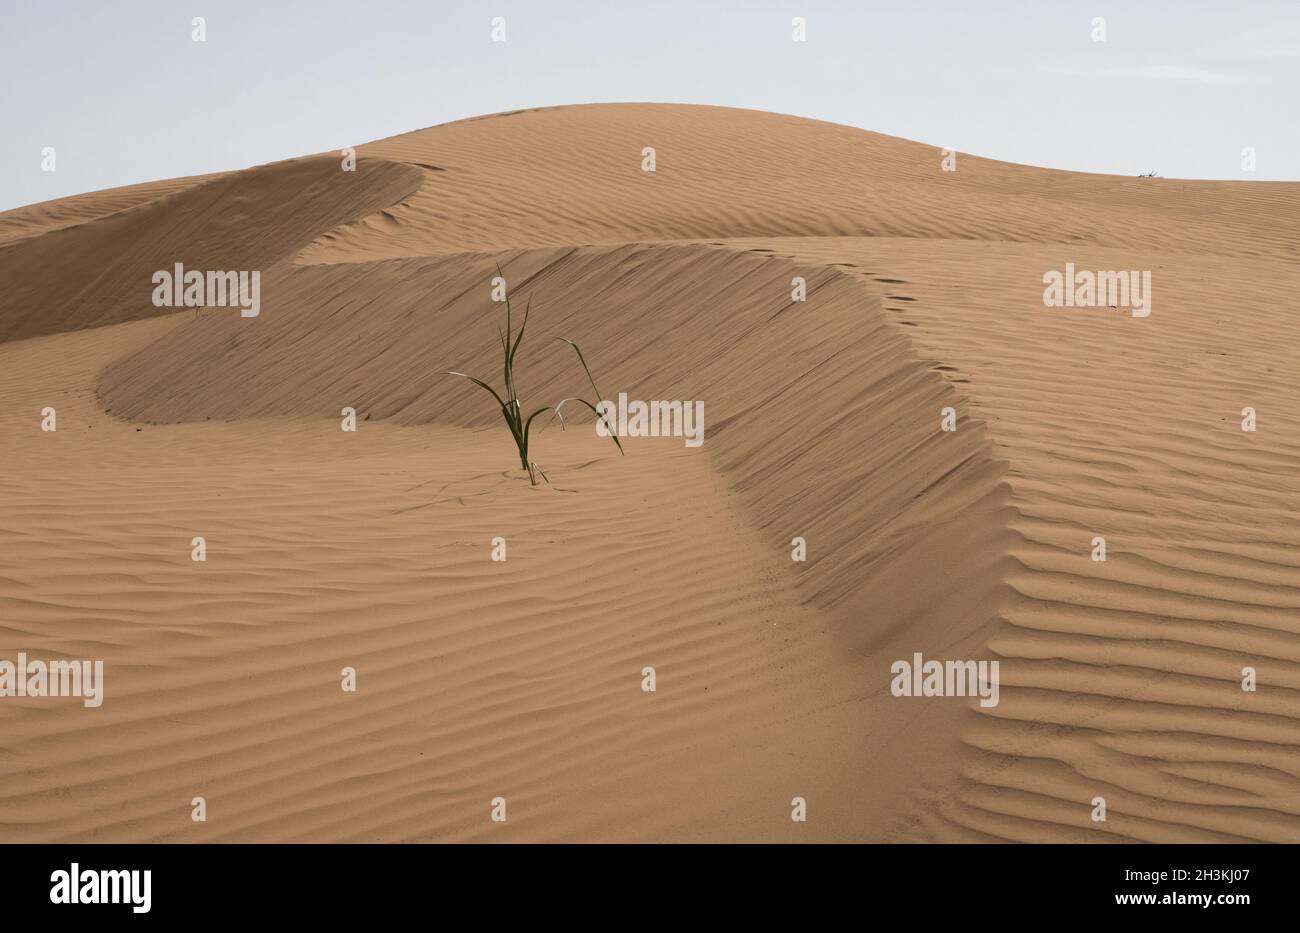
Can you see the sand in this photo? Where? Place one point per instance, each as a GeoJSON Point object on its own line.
{"type": "Point", "coordinates": [523, 679]}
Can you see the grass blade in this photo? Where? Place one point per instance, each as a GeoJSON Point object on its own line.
{"type": "Point", "coordinates": [477, 382]}
{"type": "Point", "coordinates": [520, 338]}
{"type": "Point", "coordinates": [598, 414]}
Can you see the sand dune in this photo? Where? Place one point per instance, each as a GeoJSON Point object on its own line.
{"type": "Point", "coordinates": [522, 679]}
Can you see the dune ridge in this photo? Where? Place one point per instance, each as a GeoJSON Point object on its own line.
{"type": "Point", "coordinates": [1120, 678]}
{"type": "Point", "coordinates": [90, 274]}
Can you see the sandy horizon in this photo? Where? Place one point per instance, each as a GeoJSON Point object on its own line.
{"type": "Point", "coordinates": [1033, 426]}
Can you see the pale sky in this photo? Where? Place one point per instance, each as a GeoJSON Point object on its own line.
{"type": "Point", "coordinates": [123, 94]}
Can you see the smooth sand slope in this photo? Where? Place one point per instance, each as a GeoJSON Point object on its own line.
{"type": "Point", "coordinates": [522, 678]}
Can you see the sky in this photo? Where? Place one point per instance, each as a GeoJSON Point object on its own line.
{"type": "Point", "coordinates": [123, 94]}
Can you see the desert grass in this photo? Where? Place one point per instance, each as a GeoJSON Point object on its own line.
{"type": "Point", "coordinates": [511, 408]}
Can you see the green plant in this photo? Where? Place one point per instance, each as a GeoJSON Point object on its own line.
{"type": "Point", "coordinates": [512, 410]}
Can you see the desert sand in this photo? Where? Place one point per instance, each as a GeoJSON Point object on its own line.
{"type": "Point", "coordinates": [522, 679]}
